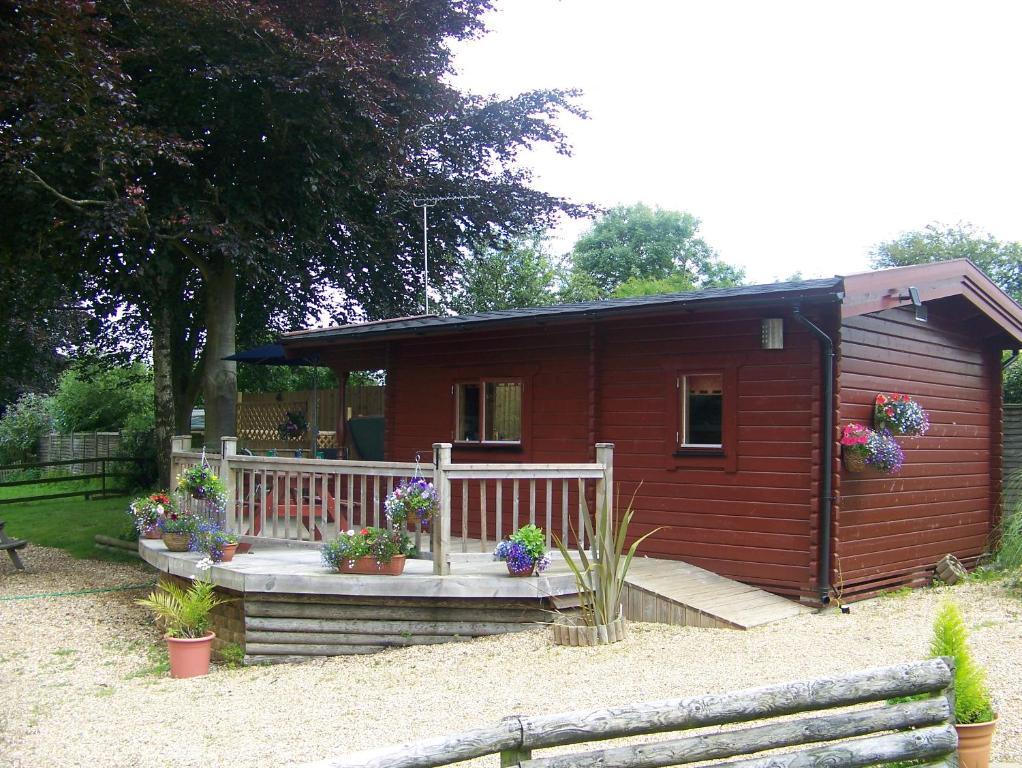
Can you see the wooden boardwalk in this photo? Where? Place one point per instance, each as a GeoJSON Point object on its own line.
{"type": "Point", "coordinates": [675, 592]}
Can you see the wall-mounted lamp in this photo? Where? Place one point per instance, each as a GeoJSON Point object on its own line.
{"type": "Point", "coordinates": [772, 333]}
{"type": "Point", "coordinates": [922, 314]}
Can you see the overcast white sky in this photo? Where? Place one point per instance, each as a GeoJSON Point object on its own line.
{"type": "Point", "coordinates": [800, 133]}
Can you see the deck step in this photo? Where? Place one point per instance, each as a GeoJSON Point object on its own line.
{"type": "Point", "coordinates": [676, 592]}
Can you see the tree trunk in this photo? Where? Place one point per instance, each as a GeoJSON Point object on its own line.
{"type": "Point", "coordinates": [219, 376]}
{"type": "Point", "coordinates": [163, 389]}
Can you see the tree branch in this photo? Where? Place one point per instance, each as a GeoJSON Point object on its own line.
{"type": "Point", "coordinates": [84, 203]}
{"type": "Point", "coordinates": [201, 263]}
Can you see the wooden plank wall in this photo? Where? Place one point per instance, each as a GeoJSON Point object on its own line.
{"type": "Point", "coordinates": [891, 530]}
{"type": "Point", "coordinates": [79, 445]}
{"type": "Point", "coordinates": [752, 518]}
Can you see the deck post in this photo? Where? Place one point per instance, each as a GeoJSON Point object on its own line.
{"type": "Point", "coordinates": [440, 532]}
{"type": "Point", "coordinates": [228, 450]}
{"type": "Point", "coordinates": [604, 487]}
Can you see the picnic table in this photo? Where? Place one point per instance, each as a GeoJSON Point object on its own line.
{"type": "Point", "coordinates": [12, 546]}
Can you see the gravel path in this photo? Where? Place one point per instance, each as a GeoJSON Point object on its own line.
{"type": "Point", "coordinates": [79, 690]}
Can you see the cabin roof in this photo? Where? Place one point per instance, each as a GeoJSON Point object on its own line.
{"type": "Point", "coordinates": [857, 294]}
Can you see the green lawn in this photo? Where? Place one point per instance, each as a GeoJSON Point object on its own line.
{"type": "Point", "coordinates": [67, 524]}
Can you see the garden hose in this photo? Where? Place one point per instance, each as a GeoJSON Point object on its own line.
{"type": "Point", "coordinates": [125, 588]}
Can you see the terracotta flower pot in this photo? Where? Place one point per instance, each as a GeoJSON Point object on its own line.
{"type": "Point", "coordinates": [243, 547]}
{"type": "Point", "coordinates": [177, 542]}
{"type": "Point", "coordinates": [229, 552]}
{"type": "Point", "coordinates": [369, 566]}
{"type": "Point", "coordinates": [189, 656]}
{"type": "Point", "coordinates": [974, 744]}
{"type": "Point", "coordinates": [152, 532]}
{"type": "Point", "coordinates": [521, 571]}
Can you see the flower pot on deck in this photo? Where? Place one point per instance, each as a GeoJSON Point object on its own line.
{"type": "Point", "coordinates": [229, 551]}
{"type": "Point", "coordinates": [974, 744]}
{"type": "Point", "coordinates": [371, 566]}
{"type": "Point", "coordinates": [177, 542]}
{"type": "Point", "coordinates": [152, 532]}
{"type": "Point", "coordinates": [189, 656]}
{"type": "Point", "coordinates": [520, 571]}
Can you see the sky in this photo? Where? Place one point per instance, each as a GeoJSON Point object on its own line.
{"type": "Point", "coordinates": [801, 134]}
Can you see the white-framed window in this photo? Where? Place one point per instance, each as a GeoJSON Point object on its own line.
{"type": "Point", "coordinates": [488, 411]}
{"type": "Point", "coordinates": [701, 410]}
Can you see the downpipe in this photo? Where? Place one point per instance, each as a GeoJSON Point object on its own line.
{"type": "Point", "coordinates": [827, 450]}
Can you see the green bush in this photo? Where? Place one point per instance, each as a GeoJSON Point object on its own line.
{"type": "Point", "coordinates": [91, 397]}
{"type": "Point", "coordinates": [23, 423]}
{"type": "Point", "coordinates": [951, 638]}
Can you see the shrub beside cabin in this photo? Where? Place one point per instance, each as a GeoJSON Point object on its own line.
{"type": "Point", "coordinates": [715, 403]}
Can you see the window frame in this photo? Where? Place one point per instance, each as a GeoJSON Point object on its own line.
{"type": "Point", "coordinates": [481, 382]}
{"type": "Point", "coordinates": [681, 388]}
{"type": "Point", "coordinates": [695, 456]}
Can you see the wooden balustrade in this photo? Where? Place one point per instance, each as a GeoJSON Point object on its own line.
{"type": "Point", "coordinates": [314, 499]}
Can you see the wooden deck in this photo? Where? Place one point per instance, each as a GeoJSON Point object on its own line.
{"type": "Point", "coordinates": [674, 592]}
{"type": "Point", "coordinates": [288, 606]}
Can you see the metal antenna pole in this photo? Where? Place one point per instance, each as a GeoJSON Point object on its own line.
{"type": "Point", "coordinates": [425, 255]}
{"type": "Point", "coordinates": [426, 203]}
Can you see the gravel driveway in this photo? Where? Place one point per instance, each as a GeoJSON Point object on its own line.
{"type": "Point", "coordinates": [78, 687]}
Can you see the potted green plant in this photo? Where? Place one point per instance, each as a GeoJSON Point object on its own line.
{"type": "Point", "coordinates": [899, 414]}
{"type": "Point", "coordinates": [177, 529]}
{"type": "Point", "coordinates": [214, 542]}
{"type": "Point", "coordinates": [975, 718]}
{"type": "Point", "coordinates": [369, 551]}
{"type": "Point", "coordinates": [415, 500]}
{"type": "Point", "coordinates": [185, 616]}
{"type": "Point", "coordinates": [600, 579]}
{"type": "Point", "coordinates": [147, 511]}
{"type": "Point", "coordinates": [524, 552]}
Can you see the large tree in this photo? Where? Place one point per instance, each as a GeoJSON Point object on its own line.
{"type": "Point", "coordinates": [1002, 261]}
{"type": "Point", "coordinates": [644, 244]}
{"type": "Point", "coordinates": [519, 274]}
{"type": "Point", "coordinates": [197, 161]}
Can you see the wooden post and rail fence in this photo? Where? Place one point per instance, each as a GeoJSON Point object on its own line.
{"type": "Point", "coordinates": [311, 500]}
{"type": "Point", "coordinates": [921, 729]}
{"type": "Point", "coordinates": [105, 469]}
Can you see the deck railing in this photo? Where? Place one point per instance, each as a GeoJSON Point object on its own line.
{"type": "Point", "coordinates": [291, 499]}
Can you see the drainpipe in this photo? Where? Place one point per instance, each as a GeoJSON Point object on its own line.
{"type": "Point", "coordinates": [827, 449]}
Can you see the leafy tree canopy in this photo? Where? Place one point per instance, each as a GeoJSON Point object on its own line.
{"type": "Point", "coordinates": [1002, 261]}
{"type": "Point", "coordinates": [519, 274]}
{"type": "Point", "coordinates": [21, 426]}
{"type": "Point", "coordinates": [646, 245]}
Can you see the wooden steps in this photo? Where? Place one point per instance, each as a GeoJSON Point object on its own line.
{"type": "Point", "coordinates": [675, 592]}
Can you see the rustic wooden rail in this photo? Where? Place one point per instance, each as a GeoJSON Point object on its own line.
{"type": "Point", "coordinates": [915, 730]}
{"type": "Point", "coordinates": [313, 499]}
{"type": "Point", "coordinates": [102, 475]}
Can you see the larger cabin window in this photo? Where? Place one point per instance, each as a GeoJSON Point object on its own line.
{"type": "Point", "coordinates": [701, 410]}
{"type": "Point", "coordinates": [489, 411]}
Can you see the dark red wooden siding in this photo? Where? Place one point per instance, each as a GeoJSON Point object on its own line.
{"type": "Point", "coordinates": [749, 515]}
{"type": "Point", "coordinates": [888, 530]}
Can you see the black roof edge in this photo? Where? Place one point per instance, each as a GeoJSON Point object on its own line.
{"type": "Point", "coordinates": [828, 290]}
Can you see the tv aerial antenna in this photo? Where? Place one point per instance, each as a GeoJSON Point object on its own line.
{"type": "Point", "coordinates": [425, 203]}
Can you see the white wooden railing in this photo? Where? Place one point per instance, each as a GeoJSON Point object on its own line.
{"type": "Point", "coordinates": [290, 499]}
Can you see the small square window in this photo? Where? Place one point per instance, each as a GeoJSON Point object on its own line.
{"type": "Point", "coordinates": [489, 412]}
{"type": "Point", "coordinates": [701, 410]}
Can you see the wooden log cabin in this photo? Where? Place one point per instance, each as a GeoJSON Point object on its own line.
{"type": "Point", "coordinates": [725, 408]}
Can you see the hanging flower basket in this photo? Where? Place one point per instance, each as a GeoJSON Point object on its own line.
{"type": "Point", "coordinates": [899, 414]}
{"type": "Point", "coordinates": [863, 448]}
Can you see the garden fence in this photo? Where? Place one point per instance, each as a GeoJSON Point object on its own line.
{"type": "Point", "coordinates": [79, 445]}
{"type": "Point", "coordinates": [919, 730]}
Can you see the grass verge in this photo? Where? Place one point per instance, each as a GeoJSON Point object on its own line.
{"type": "Point", "coordinates": [69, 524]}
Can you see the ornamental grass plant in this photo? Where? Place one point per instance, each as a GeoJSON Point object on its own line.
{"type": "Point", "coordinates": [1009, 537]}
{"type": "Point", "coordinates": [601, 578]}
